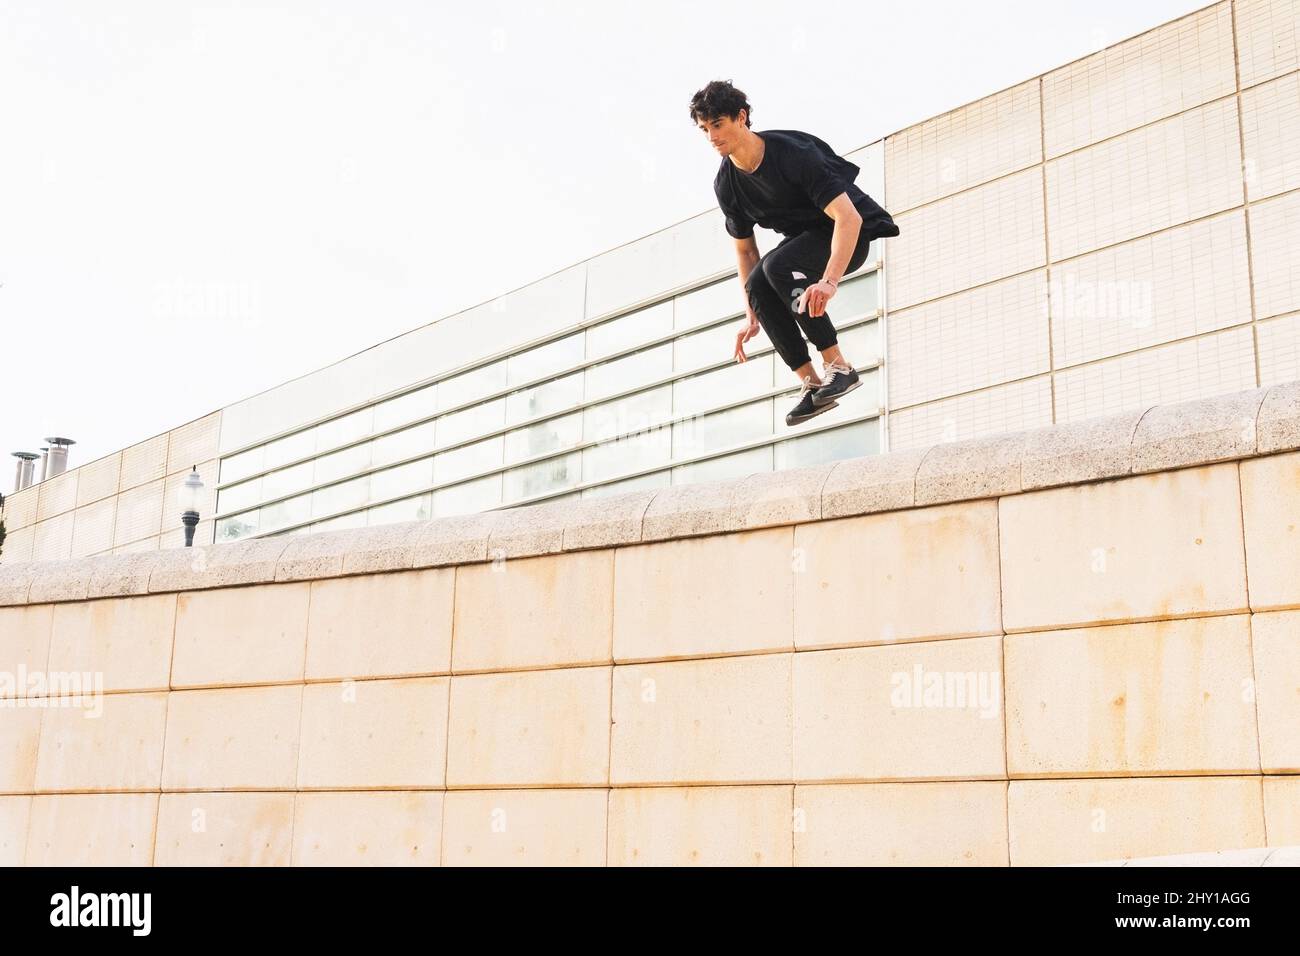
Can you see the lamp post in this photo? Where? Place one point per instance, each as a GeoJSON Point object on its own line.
{"type": "Point", "coordinates": [188, 496]}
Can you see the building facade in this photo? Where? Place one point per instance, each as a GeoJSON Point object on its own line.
{"type": "Point", "coordinates": [1124, 229]}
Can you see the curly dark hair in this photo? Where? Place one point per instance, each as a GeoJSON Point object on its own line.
{"type": "Point", "coordinates": [717, 99]}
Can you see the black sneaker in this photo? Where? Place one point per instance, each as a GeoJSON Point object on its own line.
{"type": "Point", "coordinates": [839, 380]}
{"type": "Point", "coordinates": [806, 408]}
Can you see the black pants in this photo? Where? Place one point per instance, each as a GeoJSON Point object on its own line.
{"type": "Point", "coordinates": [775, 284]}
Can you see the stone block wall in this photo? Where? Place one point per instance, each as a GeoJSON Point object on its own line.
{"type": "Point", "coordinates": [1074, 644]}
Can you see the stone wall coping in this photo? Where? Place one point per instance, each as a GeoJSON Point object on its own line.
{"type": "Point", "coordinates": [1137, 441]}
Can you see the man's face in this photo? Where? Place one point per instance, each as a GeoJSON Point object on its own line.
{"type": "Point", "coordinates": [723, 132]}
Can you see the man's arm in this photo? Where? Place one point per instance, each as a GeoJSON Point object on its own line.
{"type": "Point", "coordinates": [848, 223]}
{"type": "Point", "coordinates": [746, 261]}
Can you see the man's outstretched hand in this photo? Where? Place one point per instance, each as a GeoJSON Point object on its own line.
{"type": "Point", "coordinates": [745, 333]}
{"type": "Point", "coordinates": [815, 297]}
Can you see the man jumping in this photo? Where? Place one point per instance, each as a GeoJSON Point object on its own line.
{"type": "Point", "coordinates": [792, 182]}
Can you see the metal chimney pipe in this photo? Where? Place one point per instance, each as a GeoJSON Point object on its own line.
{"type": "Point", "coordinates": [45, 460]}
{"type": "Point", "coordinates": [23, 478]}
{"type": "Point", "coordinates": [58, 457]}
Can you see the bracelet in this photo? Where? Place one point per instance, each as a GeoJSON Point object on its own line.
{"type": "Point", "coordinates": [834, 282]}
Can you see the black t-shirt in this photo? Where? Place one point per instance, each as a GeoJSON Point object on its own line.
{"type": "Point", "coordinates": [795, 181]}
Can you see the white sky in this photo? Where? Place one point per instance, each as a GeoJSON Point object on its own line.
{"type": "Point", "coordinates": [199, 201]}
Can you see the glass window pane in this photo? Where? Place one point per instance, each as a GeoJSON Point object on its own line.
{"type": "Point", "coordinates": [545, 360]}
{"type": "Point", "coordinates": [631, 273]}
{"type": "Point", "coordinates": [242, 465]}
{"type": "Point", "coordinates": [237, 526]}
{"type": "Point", "coordinates": [413, 476]}
{"type": "Point", "coordinates": [571, 496]}
{"type": "Point", "coordinates": [340, 431]}
{"type": "Point", "coordinates": [848, 441]}
{"type": "Point", "coordinates": [411, 407]}
{"type": "Point", "coordinates": [680, 256]}
{"type": "Point", "coordinates": [287, 480]}
{"type": "Point", "coordinates": [721, 300]}
{"type": "Point", "coordinates": [472, 422]}
{"type": "Point", "coordinates": [340, 497]}
{"type": "Point", "coordinates": [855, 297]}
{"type": "Point", "coordinates": [284, 513]}
{"type": "Point", "coordinates": [543, 399]}
{"type": "Point", "coordinates": [468, 497]}
{"type": "Point", "coordinates": [471, 385]}
{"type": "Point", "coordinates": [728, 466]}
{"type": "Point", "coordinates": [629, 330]}
{"type": "Point", "coordinates": [290, 448]}
{"type": "Point", "coordinates": [553, 435]}
{"type": "Point", "coordinates": [537, 479]}
{"type": "Point", "coordinates": [354, 519]}
{"type": "Point", "coordinates": [861, 344]}
{"type": "Point", "coordinates": [243, 495]}
{"type": "Point", "coordinates": [631, 414]}
{"type": "Point", "coordinates": [306, 398]}
{"type": "Point", "coordinates": [871, 391]}
{"type": "Point", "coordinates": [656, 479]}
{"type": "Point", "coordinates": [712, 346]}
{"type": "Point", "coordinates": [408, 509]}
{"type": "Point", "coordinates": [618, 457]}
{"type": "Point", "coordinates": [349, 461]}
{"type": "Point", "coordinates": [705, 433]}
{"type": "Point", "coordinates": [732, 383]}
{"type": "Point", "coordinates": [451, 465]}
{"type": "Point", "coordinates": [540, 308]}
{"type": "Point", "coordinates": [636, 369]}
{"type": "Point", "coordinates": [407, 443]}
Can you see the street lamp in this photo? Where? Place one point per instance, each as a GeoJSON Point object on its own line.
{"type": "Point", "coordinates": [188, 496]}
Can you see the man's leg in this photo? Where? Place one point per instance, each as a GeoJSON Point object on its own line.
{"type": "Point", "coordinates": [799, 263]}
{"type": "Point", "coordinates": [791, 268]}
{"type": "Point", "coordinates": [778, 321]}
